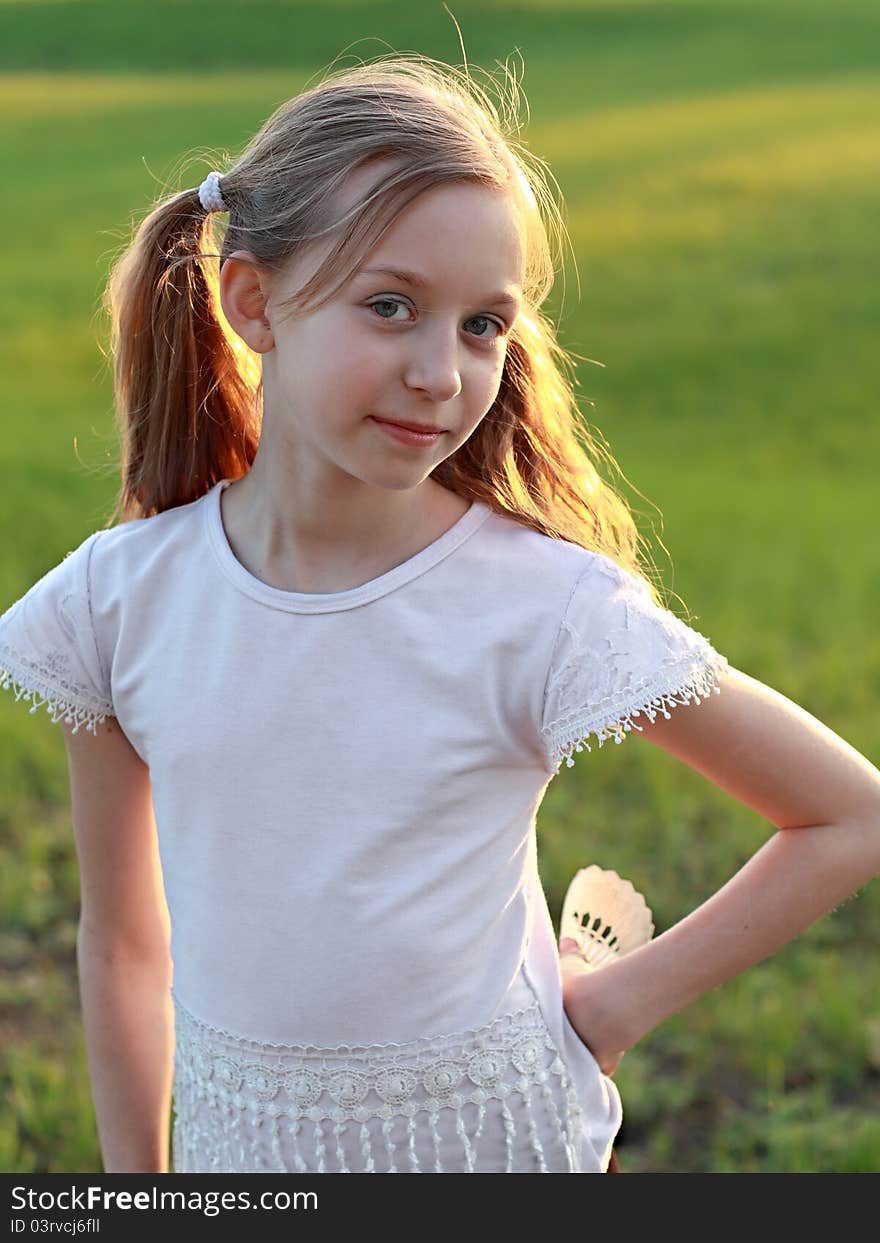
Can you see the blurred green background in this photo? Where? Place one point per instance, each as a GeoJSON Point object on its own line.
{"type": "Point", "coordinates": [718, 161]}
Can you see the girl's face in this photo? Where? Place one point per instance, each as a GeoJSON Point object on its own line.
{"type": "Point", "coordinates": [391, 348]}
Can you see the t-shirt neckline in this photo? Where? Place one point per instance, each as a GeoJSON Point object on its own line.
{"type": "Point", "coordinates": [332, 602]}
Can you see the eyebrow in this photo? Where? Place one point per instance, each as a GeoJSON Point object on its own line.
{"type": "Point", "coordinates": [413, 278]}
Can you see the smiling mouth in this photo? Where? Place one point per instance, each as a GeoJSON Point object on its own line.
{"type": "Point", "coordinates": [423, 428]}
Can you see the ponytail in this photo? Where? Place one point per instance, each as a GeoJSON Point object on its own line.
{"type": "Point", "coordinates": [188, 390]}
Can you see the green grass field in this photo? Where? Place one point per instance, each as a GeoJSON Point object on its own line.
{"type": "Point", "coordinates": [719, 165]}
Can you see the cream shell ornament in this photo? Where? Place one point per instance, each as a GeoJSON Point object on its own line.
{"type": "Point", "coordinates": [605, 915]}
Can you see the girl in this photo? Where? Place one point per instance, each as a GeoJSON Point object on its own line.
{"type": "Point", "coordinates": [363, 601]}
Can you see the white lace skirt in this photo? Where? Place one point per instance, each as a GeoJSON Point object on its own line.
{"type": "Point", "coordinates": [494, 1099]}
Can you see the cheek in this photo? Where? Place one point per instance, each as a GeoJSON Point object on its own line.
{"type": "Point", "coordinates": [490, 382]}
{"type": "Point", "coordinates": [357, 359]}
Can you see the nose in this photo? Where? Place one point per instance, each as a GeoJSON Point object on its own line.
{"type": "Point", "coordinates": [432, 366]}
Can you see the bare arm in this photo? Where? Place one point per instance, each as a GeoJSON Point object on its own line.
{"type": "Point", "coordinates": [123, 952]}
{"type": "Point", "coordinates": [824, 798]}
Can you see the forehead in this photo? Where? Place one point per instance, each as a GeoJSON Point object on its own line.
{"type": "Point", "coordinates": [455, 236]}
{"type": "Point", "coordinates": [458, 216]}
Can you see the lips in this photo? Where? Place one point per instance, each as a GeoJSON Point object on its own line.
{"type": "Point", "coordinates": [425, 428]}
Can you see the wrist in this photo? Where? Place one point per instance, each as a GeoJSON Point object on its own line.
{"type": "Point", "coordinates": [607, 999]}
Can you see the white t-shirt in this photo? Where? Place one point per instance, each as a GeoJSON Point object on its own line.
{"type": "Point", "coordinates": [345, 788]}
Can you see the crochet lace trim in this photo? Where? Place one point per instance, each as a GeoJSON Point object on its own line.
{"type": "Point", "coordinates": [687, 669]}
{"type": "Point", "coordinates": [51, 678]}
{"type": "Point", "coordinates": [606, 717]}
{"type": "Point", "coordinates": [246, 1105]}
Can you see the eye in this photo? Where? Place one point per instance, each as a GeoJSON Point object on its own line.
{"type": "Point", "coordinates": [487, 319]}
{"type": "Point", "coordinates": [389, 302]}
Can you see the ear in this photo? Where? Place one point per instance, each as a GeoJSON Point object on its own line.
{"type": "Point", "coordinates": [244, 290]}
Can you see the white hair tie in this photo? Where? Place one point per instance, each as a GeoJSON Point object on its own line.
{"type": "Point", "coordinates": [209, 194]}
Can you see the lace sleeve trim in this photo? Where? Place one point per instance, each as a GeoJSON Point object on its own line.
{"type": "Point", "coordinates": [51, 678]}
{"type": "Point", "coordinates": [681, 682]}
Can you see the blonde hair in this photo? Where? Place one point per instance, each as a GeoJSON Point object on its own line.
{"type": "Point", "coordinates": [189, 391]}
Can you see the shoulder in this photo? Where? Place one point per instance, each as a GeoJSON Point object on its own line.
{"type": "Point", "coordinates": [131, 554]}
{"type": "Point", "coordinates": [57, 640]}
{"type": "Point", "coordinates": [47, 647]}
{"type": "Point", "coordinates": [543, 563]}
{"type": "Point", "coordinates": [183, 523]}
{"type": "Point", "coordinates": [620, 655]}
